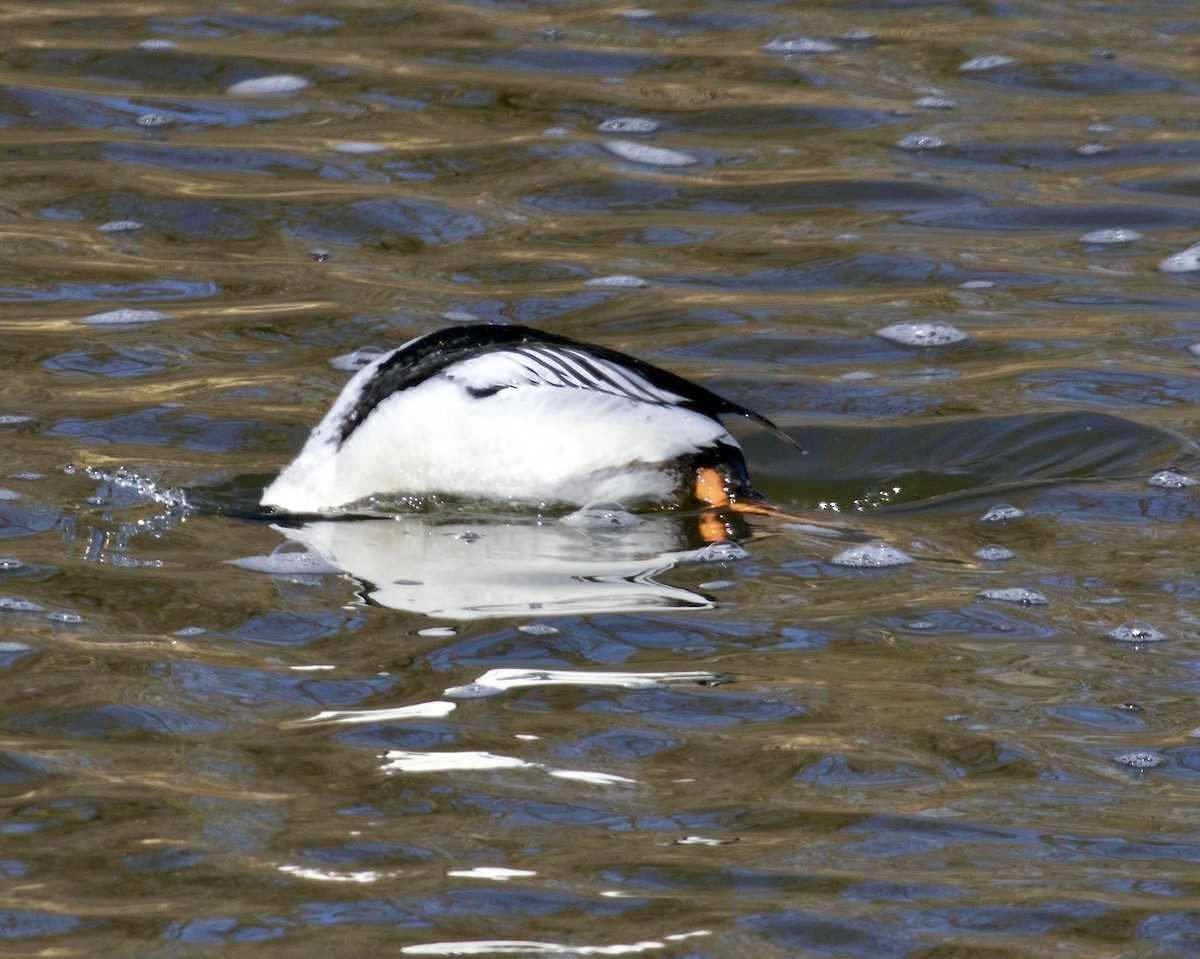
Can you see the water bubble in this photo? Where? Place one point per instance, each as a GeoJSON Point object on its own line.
{"type": "Point", "coordinates": [994, 553]}
{"type": "Point", "coordinates": [648, 155]}
{"type": "Point", "coordinates": [14, 604]}
{"type": "Point", "coordinates": [1114, 235]}
{"type": "Point", "coordinates": [319, 255]}
{"type": "Point", "coordinates": [1142, 759]}
{"type": "Point", "coordinates": [358, 147]}
{"type": "Point", "coordinates": [628, 125]}
{"type": "Point", "coordinates": [935, 102]}
{"type": "Point", "coordinates": [64, 617]}
{"type": "Point", "coordinates": [275, 85]}
{"type": "Point", "coordinates": [718, 584]}
{"type": "Point", "coordinates": [8, 563]}
{"type": "Point", "coordinates": [792, 44]}
{"type": "Point", "coordinates": [539, 629]}
{"type": "Point", "coordinates": [858, 36]}
{"type": "Point", "coordinates": [284, 562]}
{"type": "Point", "coordinates": [1002, 513]}
{"type": "Point", "coordinates": [922, 334]}
{"type": "Point", "coordinates": [1169, 479]}
{"type": "Point", "coordinates": [1131, 707]}
{"type": "Point", "coordinates": [556, 131]}
{"type": "Point", "coordinates": [125, 317]}
{"type": "Point", "coordinates": [1016, 594]}
{"type": "Point", "coordinates": [1135, 631]}
{"type": "Point", "coordinates": [992, 61]}
{"type": "Point", "coordinates": [871, 556]}
{"type": "Point", "coordinates": [120, 226]}
{"type": "Point", "coordinates": [977, 285]}
{"type": "Point", "coordinates": [438, 631]}
{"type": "Point", "coordinates": [157, 44]}
{"type": "Point", "coordinates": [1185, 261]}
{"type": "Point", "coordinates": [617, 281]}
{"type": "Point", "coordinates": [724, 551]}
{"type": "Point", "coordinates": [468, 536]}
{"type": "Point", "coordinates": [920, 141]}
{"type": "Point", "coordinates": [1093, 149]}
{"type": "Point", "coordinates": [1100, 128]}
{"type": "Point", "coordinates": [152, 120]}
{"type": "Point", "coordinates": [353, 362]}
{"type": "Point", "coordinates": [597, 516]}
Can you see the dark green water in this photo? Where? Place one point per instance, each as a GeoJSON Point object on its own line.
{"type": "Point", "coordinates": [767, 756]}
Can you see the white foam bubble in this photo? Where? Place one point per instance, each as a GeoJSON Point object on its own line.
{"type": "Point", "coordinates": [1185, 261]}
{"type": "Point", "coordinates": [283, 562]}
{"type": "Point", "coordinates": [1111, 236]}
{"type": "Point", "coordinates": [871, 556]}
{"type": "Point", "coordinates": [1141, 759]}
{"type": "Point", "coordinates": [358, 147]}
{"type": "Point", "coordinates": [1002, 513]}
{"type": "Point", "coordinates": [1135, 631]}
{"type": "Point", "coordinates": [920, 141]}
{"type": "Point", "coordinates": [125, 317]}
{"type": "Point", "coordinates": [628, 125]}
{"type": "Point", "coordinates": [935, 102]}
{"type": "Point", "coordinates": [1169, 479]}
{"type": "Point", "coordinates": [602, 516]}
{"type": "Point", "coordinates": [793, 44]}
{"type": "Point", "coordinates": [922, 334]}
{"type": "Point", "coordinates": [353, 362]}
{"type": "Point", "coordinates": [992, 61]}
{"type": "Point", "coordinates": [275, 85]}
{"type": "Point", "coordinates": [722, 552]}
{"type": "Point", "coordinates": [120, 226]}
{"type": "Point", "coordinates": [157, 44]}
{"type": "Point", "coordinates": [648, 155]}
{"type": "Point", "coordinates": [617, 281]}
{"type": "Point", "coordinates": [1016, 594]}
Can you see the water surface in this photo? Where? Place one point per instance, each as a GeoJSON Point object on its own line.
{"type": "Point", "coordinates": [481, 733]}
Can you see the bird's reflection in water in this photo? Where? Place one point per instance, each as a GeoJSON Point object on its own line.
{"type": "Point", "coordinates": [600, 559]}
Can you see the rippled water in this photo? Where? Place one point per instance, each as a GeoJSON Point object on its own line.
{"type": "Point", "coordinates": [470, 733]}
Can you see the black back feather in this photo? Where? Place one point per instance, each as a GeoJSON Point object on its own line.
{"type": "Point", "coordinates": [435, 352]}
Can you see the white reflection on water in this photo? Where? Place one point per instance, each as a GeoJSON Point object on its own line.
{"type": "Point", "coordinates": [516, 567]}
{"type": "Point", "coordinates": [524, 947]}
{"type": "Point", "coordinates": [415, 761]}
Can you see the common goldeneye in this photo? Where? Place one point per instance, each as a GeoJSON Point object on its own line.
{"type": "Point", "coordinates": [512, 413]}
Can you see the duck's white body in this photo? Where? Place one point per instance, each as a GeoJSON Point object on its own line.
{"type": "Point", "coordinates": [507, 413]}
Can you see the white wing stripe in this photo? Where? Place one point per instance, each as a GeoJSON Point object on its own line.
{"type": "Point", "coordinates": [534, 365]}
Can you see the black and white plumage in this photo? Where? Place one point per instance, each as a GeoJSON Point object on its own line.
{"type": "Point", "coordinates": [512, 413]}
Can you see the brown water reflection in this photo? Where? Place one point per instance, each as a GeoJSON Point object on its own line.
{"type": "Point", "coordinates": [796, 759]}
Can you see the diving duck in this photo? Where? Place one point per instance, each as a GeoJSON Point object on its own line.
{"type": "Point", "coordinates": [512, 413]}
